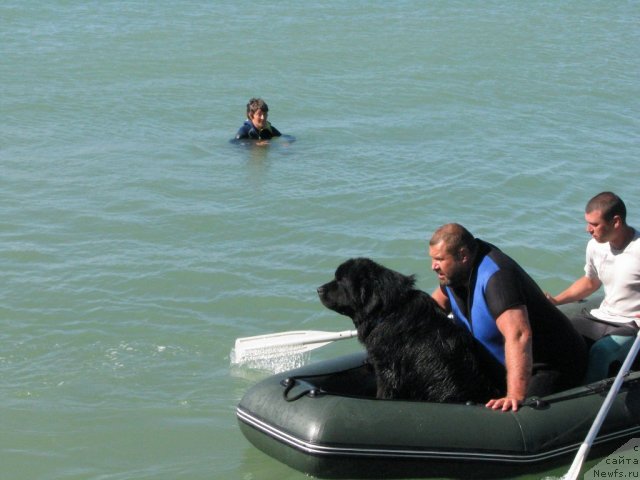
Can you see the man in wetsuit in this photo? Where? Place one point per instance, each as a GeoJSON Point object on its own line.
{"type": "Point", "coordinates": [257, 127]}
{"type": "Point", "coordinates": [492, 296]}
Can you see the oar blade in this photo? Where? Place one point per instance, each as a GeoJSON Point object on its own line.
{"type": "Point", "coordinates": [283, 343]}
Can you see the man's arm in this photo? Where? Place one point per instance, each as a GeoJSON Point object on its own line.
{"type": "Point", "coordinates": [581, 288]}
{"type": "Point", "coordinates": [514, 326]}
{"type": "Point", "coordinates": [441, 299]}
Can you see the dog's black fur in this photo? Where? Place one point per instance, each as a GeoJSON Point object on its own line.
{"type": "Point", "coordinates": [416, 351]}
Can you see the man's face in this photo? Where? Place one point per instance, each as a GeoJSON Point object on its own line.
{"type": "Point", "coordinates": [452, 269]}
{"type": "Point", "coordinates": [598, 227]}
{"type": "Point", "coordinates": [259, 119]}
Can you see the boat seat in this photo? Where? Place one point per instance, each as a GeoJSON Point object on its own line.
{"type": "Point", "coordinates": [606, 356]}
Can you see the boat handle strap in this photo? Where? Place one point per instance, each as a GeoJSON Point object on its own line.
{"type": "Point", "coordinates": [307, 389]}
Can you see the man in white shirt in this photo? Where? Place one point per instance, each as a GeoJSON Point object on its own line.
{"type": "Point", "coordinates": [613, 261]}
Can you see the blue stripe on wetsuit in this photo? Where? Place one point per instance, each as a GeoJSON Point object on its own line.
{"type": "Point", "coordinates": [482, 325]}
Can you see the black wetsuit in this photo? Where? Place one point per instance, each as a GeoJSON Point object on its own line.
{"type": "Point", "coordinates": [249, 131]}
{"type": "Point", "coordinates": [498, 283]}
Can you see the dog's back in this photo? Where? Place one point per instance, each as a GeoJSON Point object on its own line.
{"type": "Point", "coordinates": [421, 354]}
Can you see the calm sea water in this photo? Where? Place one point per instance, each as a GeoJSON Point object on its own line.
{"type": "Point", "coordinates": [136, 243]}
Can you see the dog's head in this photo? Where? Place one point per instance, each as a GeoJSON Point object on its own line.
{"type": "Point", "coordinates": [362, 286]}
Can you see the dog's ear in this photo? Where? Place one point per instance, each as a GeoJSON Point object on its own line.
{"type": "Point", "coordinates": [370, 299]}
{"type": "Point", "coordinates": [409, 282]}
{"type": "Point", "coordinates": [366, 296]}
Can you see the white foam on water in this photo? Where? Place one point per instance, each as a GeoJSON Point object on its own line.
{"type": "Point", "coordinates": [274, 360]}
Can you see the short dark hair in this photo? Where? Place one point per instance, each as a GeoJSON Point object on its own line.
{"type": "Point", "coordinates": [455, 237]}
{"type": "Point", "coordinates": [256, 104]}
{"type": "Point", "coordinates": [609, 204]}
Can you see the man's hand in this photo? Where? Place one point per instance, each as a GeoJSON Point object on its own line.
{"type": "Point", "coordinates": [551, 298]}
{"type": "Point", "coordinates": [505, 404]}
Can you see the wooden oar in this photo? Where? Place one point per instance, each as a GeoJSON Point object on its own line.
{"type": "Point", "coordinates": [264, 346]}
{"type": "Point", "coordinates": [576, 466]}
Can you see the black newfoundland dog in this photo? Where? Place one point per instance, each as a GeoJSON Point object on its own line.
{"type": "Point", "coordinates": [416, 351]}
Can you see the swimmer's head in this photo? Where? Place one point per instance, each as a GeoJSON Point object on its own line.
{"type": "Point", "coordinates": [255, 105]}
{"type": "Point", "coordinates": [257, 112]}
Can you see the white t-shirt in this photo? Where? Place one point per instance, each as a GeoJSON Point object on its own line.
{"type": "Point", "coordinates": [619, 272]}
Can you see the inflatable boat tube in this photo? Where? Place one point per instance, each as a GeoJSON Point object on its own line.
{"type": "Point", "coordinates": [323, 419]}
